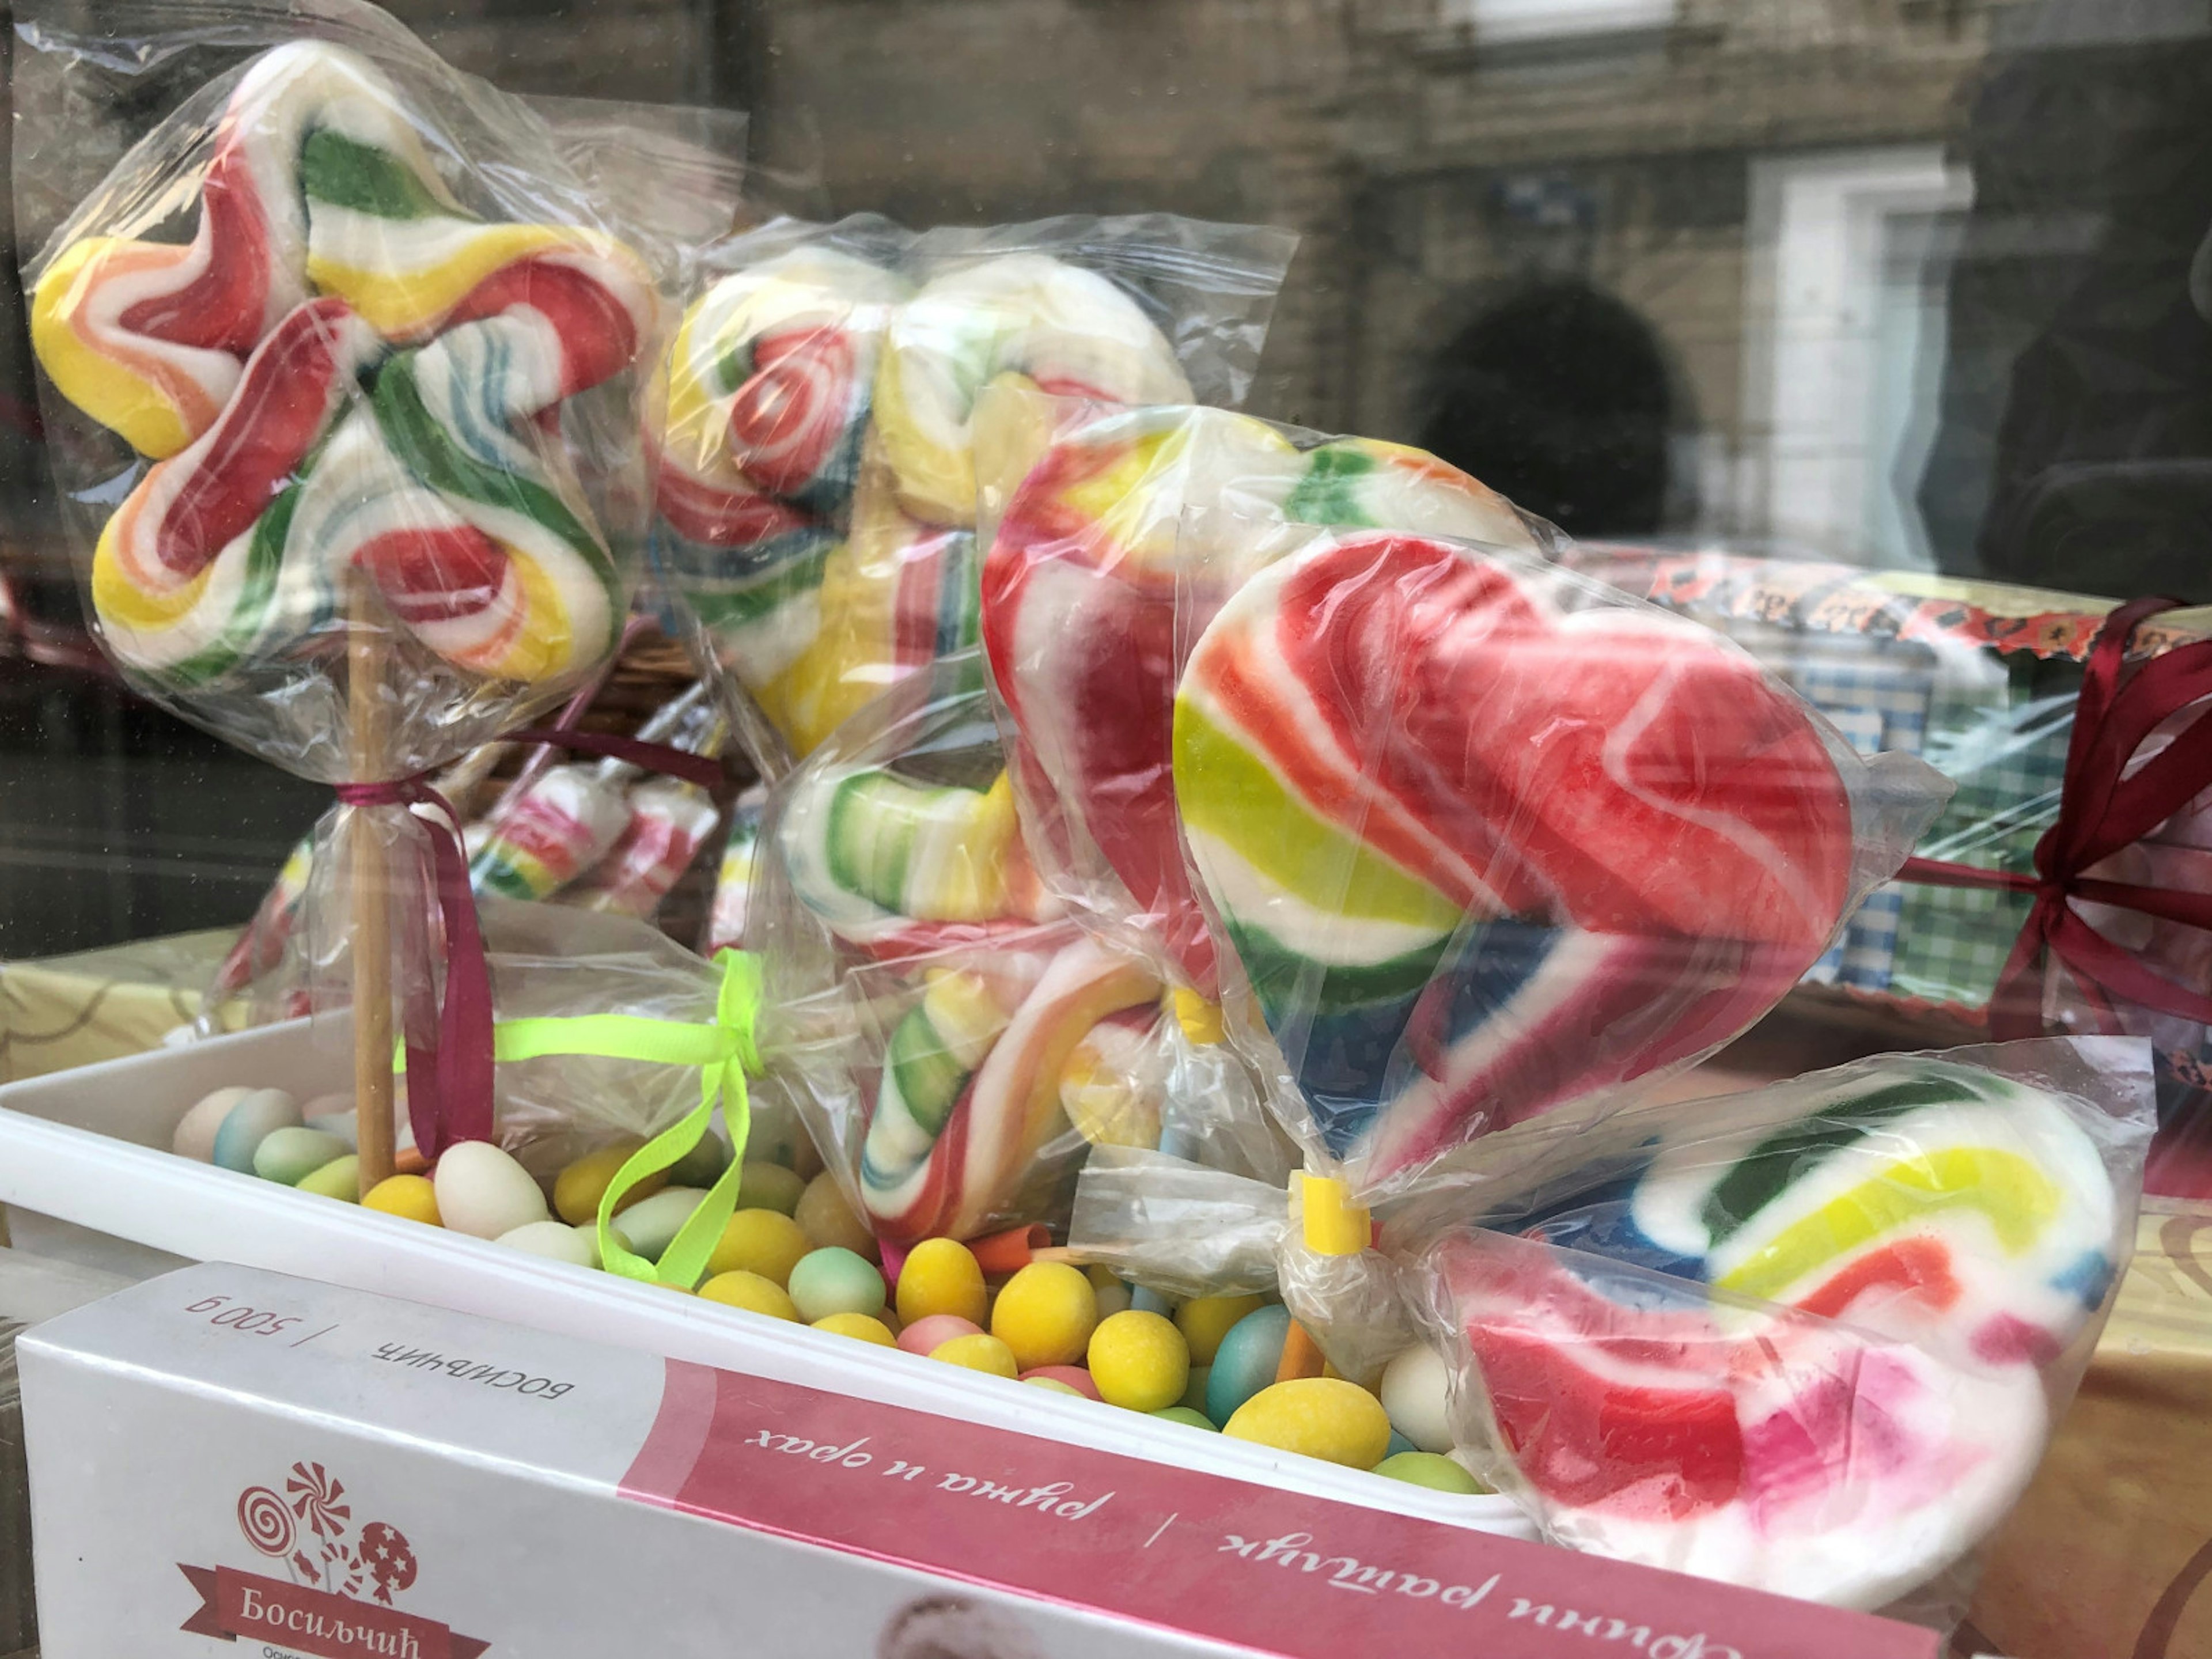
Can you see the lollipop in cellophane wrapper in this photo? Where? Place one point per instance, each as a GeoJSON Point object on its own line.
{"type": "Point", "coordinates": [1488, 843]}
{"type": "Point", "coordinates": [982, 1043]}
{"type": "Point", "coordinates": [818, 434]}
{"type": "Point", "coordinates": [343, 356]}
{"type": "Point", "coordinates": [1811, 1339]}
{"type": "Point", "coordinates": [1111, 538]}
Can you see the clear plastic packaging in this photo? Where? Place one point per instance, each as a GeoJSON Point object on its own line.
{"type": "Point", "coordinates": [1811, 1339]}
{"type": "Point", "coordinates": [1110, 537]}
{"type": "Point", "coordinates": [817, 436]}
{"type": "Point", "coordinates": [342, 364]}
{"type": "Point", "coordinates": [1485, 843]}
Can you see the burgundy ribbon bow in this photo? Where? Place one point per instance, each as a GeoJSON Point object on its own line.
{"type": "Point", "coordinates": [2100, 811]}
{"type": "Point", "coordinates": [449, 1047]}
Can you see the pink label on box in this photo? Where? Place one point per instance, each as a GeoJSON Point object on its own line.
{"type": "Point", "coordinates": [1220, 1559]}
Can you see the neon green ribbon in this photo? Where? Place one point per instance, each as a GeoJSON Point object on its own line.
{"type": "Point", "coordinates": [724, 1052]}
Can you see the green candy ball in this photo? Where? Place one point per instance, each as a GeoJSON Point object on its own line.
{"type": "Point", "coordinates": [1438, 1473]}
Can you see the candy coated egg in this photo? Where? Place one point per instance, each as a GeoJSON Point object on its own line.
{"type": "Point", "coordinates": [1416, 1392]}
{"type": "Point", "coordinates": [941, 1277]}
{"type": "Point", "coordinates": [977, 1353]}
{"type": "Point", "coordinates": [769, 1187]}
{"type": "Point", "coordinates": [763, 1242]}
{"type": "Point", "coordinates": [1112, 1297]}
{"type": "Point", "coordinates": [1245, 1361]}
{"type": "Point", "coordinates": [934, 1331]}
{"type": "Point", "coordinates": [195, 1135]}
{"type": "Point", "coordinates": [1322, 1416]}
{"type": "Point", "coordinates": [247, 1124]}
{"type": "Point", "coordinates": [408, 1196]}
{"type": "Point", "coordinates": [340, 1178]}
{"type": "Point", "coordinates": [834, 1282]}
{"type": "Point", "coordinates": [862, 1328]}
{"type": "Point", "coordinates": [556, 1240]}
{"type": "Point", "coordinates": [1398, 1443]}
{"type": "Point", "coordinates": [1139, 1361]}
{"type": "Point", "coordinates": [1205, 1320]}
{"type": "Point", "coordinates": [1053, 1385]}
{"type": "Point", "coordinates": [483, 1192]}
{"type": "Point", "coordinates": [826, 1218]}
{"type": "Point", "coordinates": [578, 1190]}
{"type": "Point", "coordinates": [1045, 1313]}
{"type": "Point", "coordinates": [1068, 1377]}
{"type": "Point", "coordinates": [751, 1292]}
{"type": "Point", "coordinates": [289, 1156]}
{"type": "Point", "coordinates": [651, 1224]}
{"type": "Point", "coordinates": [703, 1164]}
{"type": "Point", "coordinates": [1187, 1418]}
{"type": "Point", "coordinates": [1420, 1468]}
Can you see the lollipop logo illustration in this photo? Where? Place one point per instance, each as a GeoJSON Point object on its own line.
{"type": "Point", "coordinates": [338, 1594]}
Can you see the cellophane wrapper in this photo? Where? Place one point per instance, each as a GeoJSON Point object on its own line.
{"type": "Point", "coordinates": [1812, 1338]}
{"type": "Point", "coordinates": [1484, 845]}
{"type": "Point", "coordinates": [1111, 536]}
{"type": "Point", "coordinates": [954, 1045]}
{"type": "Point", "coordinates": [818, 441]}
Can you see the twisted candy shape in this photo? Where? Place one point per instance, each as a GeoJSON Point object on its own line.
{"type": "Point", "coordinates": [973, 1082]}
{"type": "Point", "coordinates": [326, 239]}
{"type": "Point", "coordinates": [1482, 855]}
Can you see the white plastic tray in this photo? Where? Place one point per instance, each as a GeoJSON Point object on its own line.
{"type": "Point", "coordinates": [86, 1171]}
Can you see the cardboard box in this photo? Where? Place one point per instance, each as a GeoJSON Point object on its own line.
{"type": "Point", "coordinates": [226, 1454]}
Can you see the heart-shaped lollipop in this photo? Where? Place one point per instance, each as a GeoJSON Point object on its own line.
{"type": "Point", "coordinates": [1107, 563]}
{"type": "Point", "coordinates": [1486, 840]}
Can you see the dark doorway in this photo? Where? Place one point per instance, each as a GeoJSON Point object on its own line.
{"type": "Point", "coordinates": [1560, 396]}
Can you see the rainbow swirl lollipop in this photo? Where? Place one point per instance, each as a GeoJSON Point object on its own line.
{"type": "Point", "coordinates": [344, 369]}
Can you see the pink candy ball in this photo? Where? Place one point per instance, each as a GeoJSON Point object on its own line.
{"type": "Point", "coordinates": [925, 1335]}
{"type": "Point", "coordinates": [1074, 1376]}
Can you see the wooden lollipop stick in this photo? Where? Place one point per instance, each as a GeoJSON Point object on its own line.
{"type": "Point", "coordinates": [366, 658]}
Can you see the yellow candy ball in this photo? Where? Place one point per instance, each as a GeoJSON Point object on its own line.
{"type": "Point", "coordinates": [578, 1190]}
{"type": "Point", "coordinates": [978, 1353]}
{"type": "Point", "coordinates": [740, 1289]}
{"type": "Point", "coordinates": [764, 1241]}
{"type": "Point", "coordinates": [1139, 1361]}
{"type": "Point", "coordinates": [825, 1216]}
{"type": "Point", "coordinates": [940, 1277]}
{"type": "Point", "coordinates": [1321, 1416]}
{"type": "Point", "coordinates": [1205, 1320]}
{"type": "Point", "coordinates": [862, 1328]}
{"type": "Point", "coordinates": [1045, 1313]}
{"type": "Point", "coordinates": [408, 1196]}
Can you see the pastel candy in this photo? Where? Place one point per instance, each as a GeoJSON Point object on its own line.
{"type": "Point", "coordinates": [196, 1131]}
{"type": "Point", "coordinates": [1929, 1201]}
{"type": "Point", "coordinates": [897, 866]}
{"type": "Point", "coordinates": [1122, 541]}
{"type": "Point", "coordinates": [330, 254]}
{"type": "Point", "coordinates": [1062, 329]}
{"type": "Point", "coordinates": [1786, 1453]}
{"type": "Point", "coordinates": [970, 1088]}
{"type": "Point", "coordinates": [290, 1154]}
{"type": "Point", "coordinates": [1481, 852]}
{"type": "Point", "coordinates": [1246, 1360]}
{"type": "Point", "coordinates": [249, 1122]}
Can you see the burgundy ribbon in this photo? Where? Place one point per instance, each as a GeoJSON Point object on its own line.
{"type": "Point", "coordinates": [2101, 811]}
{"type": "Point", "coordinates": [449, 1048]}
